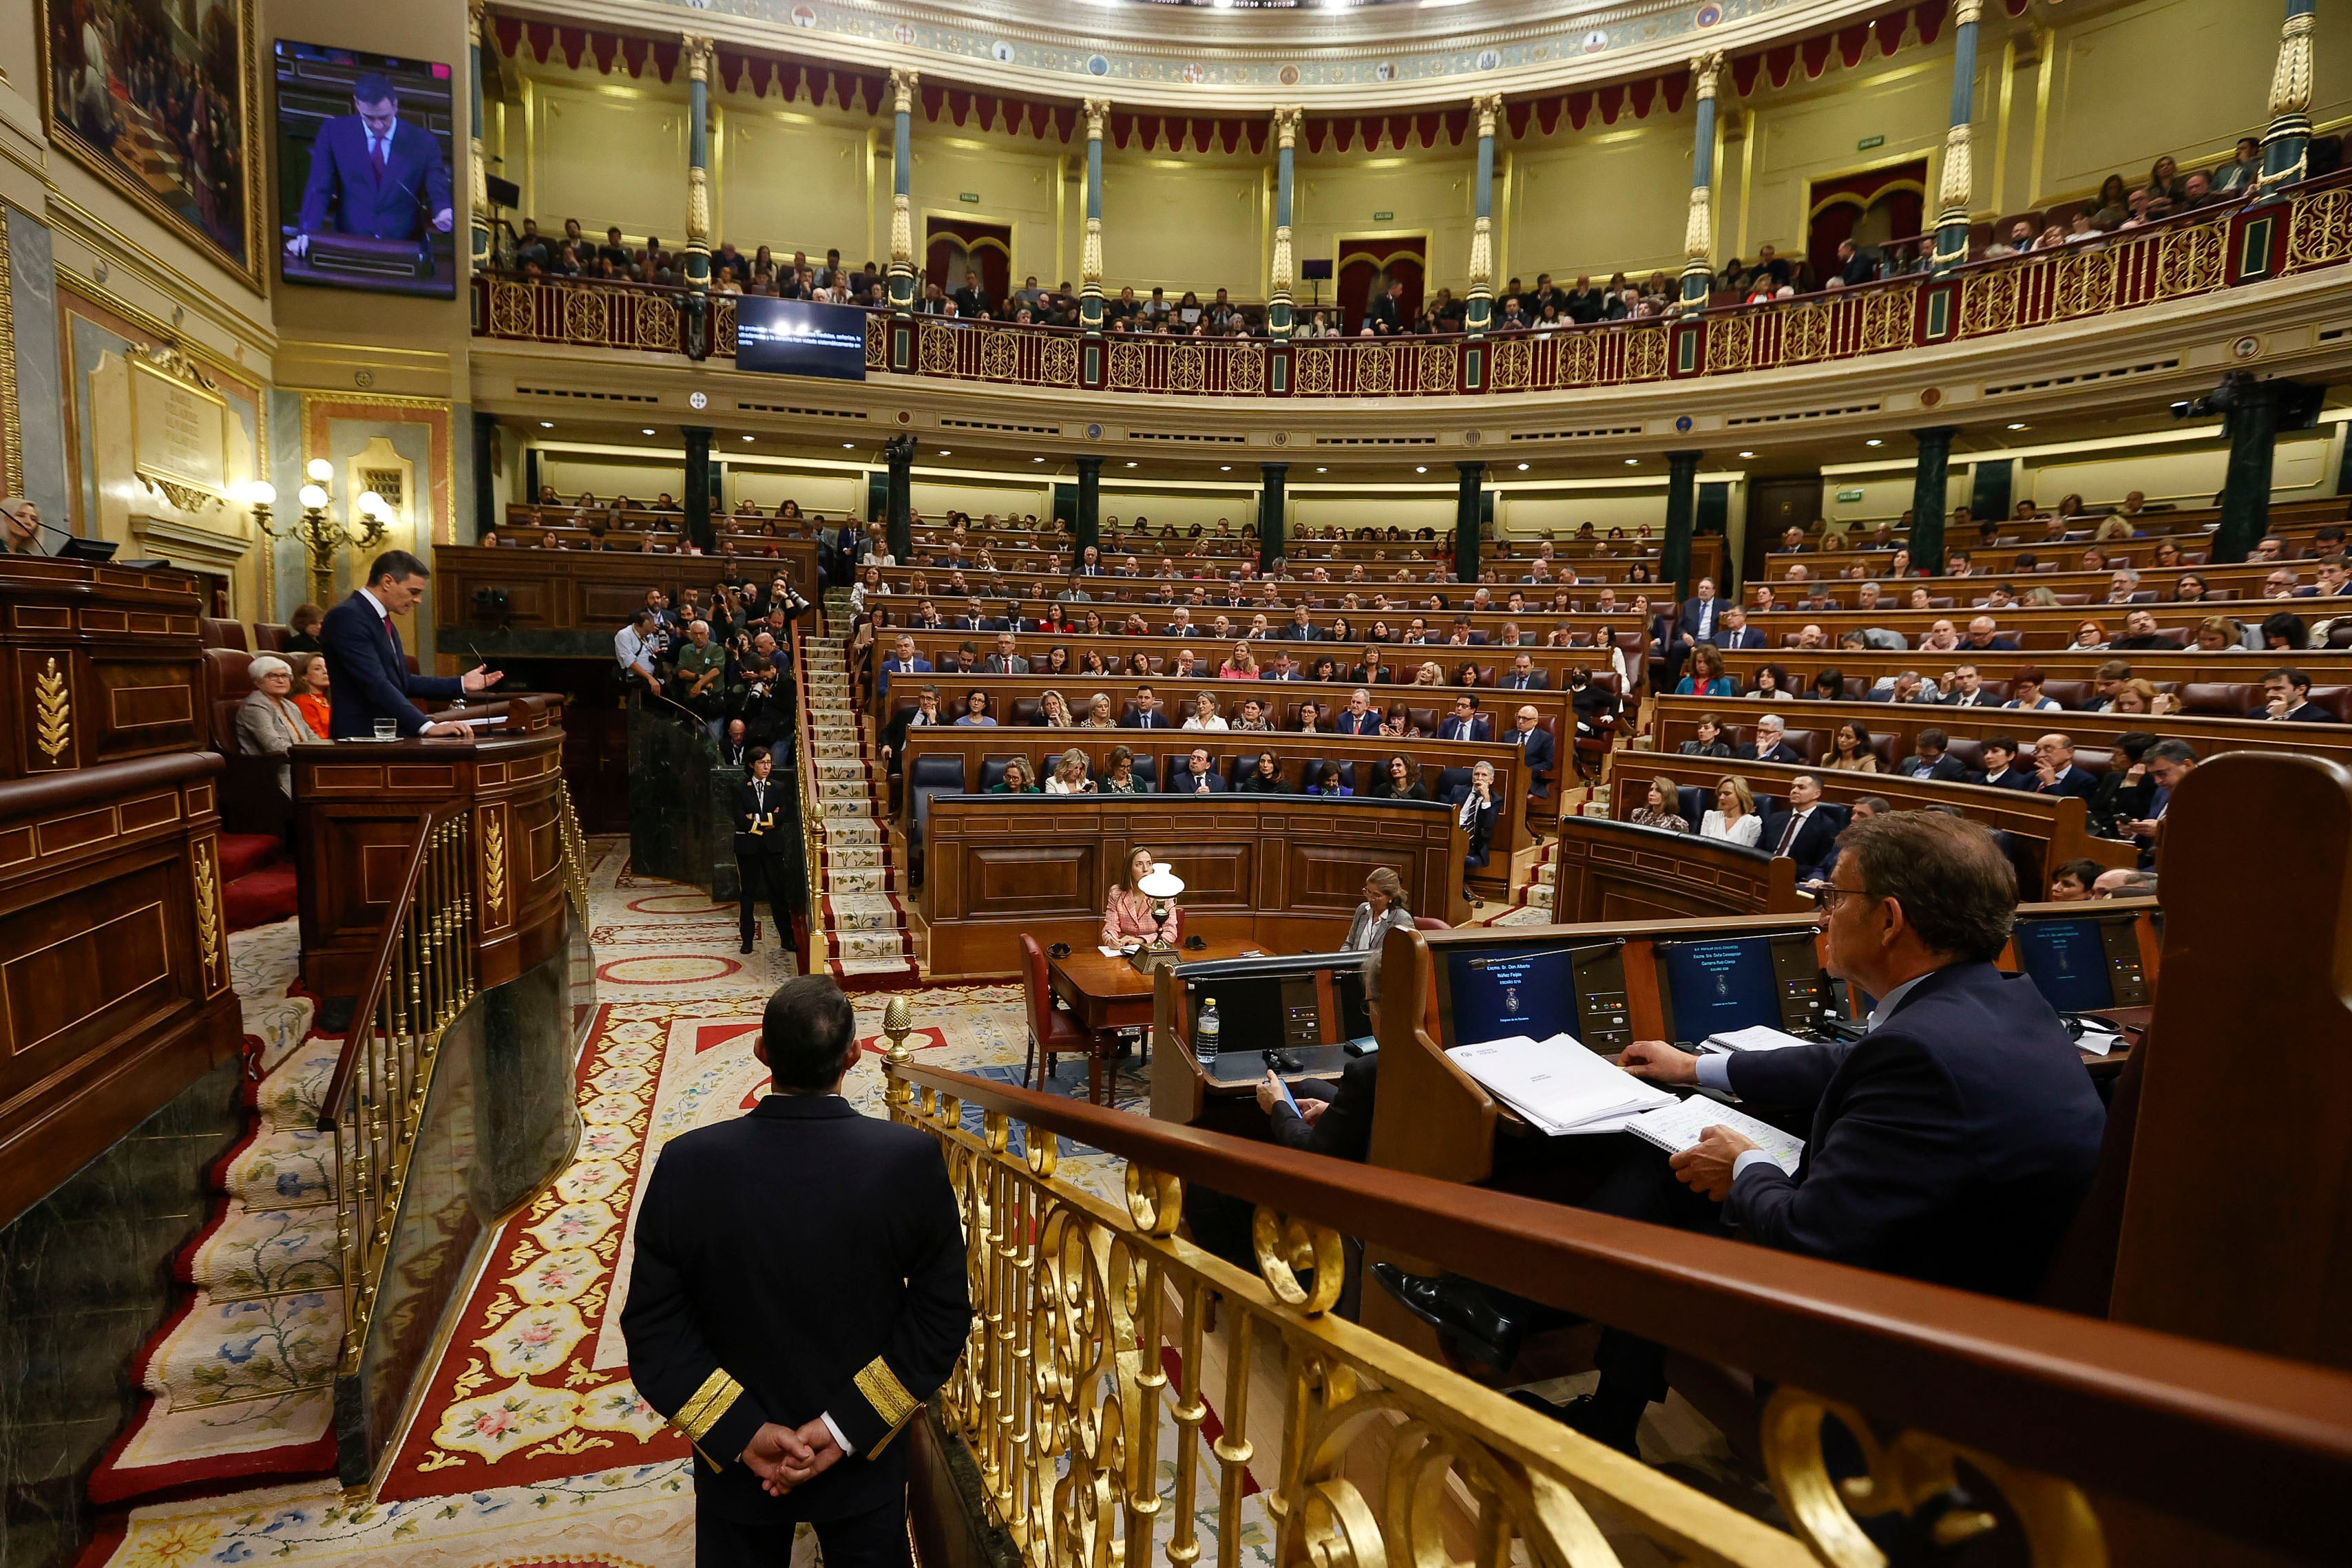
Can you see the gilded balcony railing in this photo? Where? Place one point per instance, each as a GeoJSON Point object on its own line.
{"type": "Point", "coordinates": [419, 979]}
{"type": "Point", "coordinates": [2308, 227]}
{"type": "Point", "coordinates": [1106, 1351]}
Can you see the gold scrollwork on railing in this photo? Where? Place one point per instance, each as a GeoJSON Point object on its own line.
{"type": "Point", "coordinates": [877, 343]}
{"type": "Point", "coordinates": [1439, 364]}
{"type": "Point", "coordinates": [2189, 260]}
{"type": "Point", "coordinates": [1000, 356]}
{"type": "Point", "coordinates": [1374, 370]}
{"type": "Point", "coordinates": [722, 325]}
{"type": "Point", "coordinates": [1886, 318]}
{"type": "Point", "coordinates": [1645, 354]}
{"type": "Point", "coordinates": [1112, 1424]}
{"type": "Point", "coordinates": [1920, 1477]}
{"type": "Point", "coordinates": [1804, 333]}
{"type": "Point", "coordinates": [1188, 368]}
{"type": "Point", "coordinates": [1577, 360]}
{"type": "Point", "coordinates": [1127, 367]}
{"type": "Point", "coordinates": [510, 310]}
{"type": "Point", "coordinates": [2319, 229]}
{"type": "Point", "coordinates": [936, 349]}
{"type": "Point", "coordinates": [1513, 359]}
{"type": "Point", "coordinates": [655, 323]}
{"type": "Point", "coordinates": [1311, 369]}
{"type": "Point", "coordinates": [585, 317]}
{"type": "Point", "coordinates": [1058, 361]}
{"type": "Point", "coordinates": [1731, 343]}
{"type": "Point", "coordinates": [1245, 370]}
{"type": "Point", "coordinates": [52, 711]}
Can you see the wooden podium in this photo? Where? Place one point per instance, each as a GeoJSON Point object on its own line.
{"type": "Point", "coordinates": [358, 805]}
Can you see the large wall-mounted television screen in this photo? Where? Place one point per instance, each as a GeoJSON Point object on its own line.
{"type": "Point", "coordinates": [364, 195]}
{"type": "Point", "coordinates": [800, 337]}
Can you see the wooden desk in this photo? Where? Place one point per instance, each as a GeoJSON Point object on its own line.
{"type": "Point", "coordinates": [1111, 993]}
{"type": "Point", "coordinates": [1272, 872]}
{"type": "Point", "coordinates": [357, 805]}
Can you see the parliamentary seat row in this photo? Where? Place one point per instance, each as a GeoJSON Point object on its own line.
{"type": "Point", "coordinates": [961, 760]}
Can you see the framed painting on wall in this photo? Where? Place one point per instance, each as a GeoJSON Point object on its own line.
{"type": "Point", "coordinates": [158, 98]}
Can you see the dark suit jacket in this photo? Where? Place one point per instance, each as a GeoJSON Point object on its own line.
{"type": "Point", "coordinates": [1380, 314]}
{"type": "Point", "coordinates": [1686, 622]}
{"type": "Point", "coordinates": [1745, 637]}
{"type": "Point", "coordinates": [1366, 723]}
{"type": "Point", "coordinates": [1784, 752]}
{"type": "Point", "coordinates": [1451, 729]}
{"type": "Point", "coordinates": [1537, 748]}
{"type": "Point", "coordinates": [1310, 633]}
{"type": "Point", "coordinates": [746, 811]}
{"type": "Point", "coordinates": [741, 1312]}
{"type": "Point", "coordinates": [1946, 767]}
{"type": "Point", "coordinates": [1156, 719]}
{"type": "Point", "coordinates": [1482, 826]}
{"type": "Point", "coordinates": [1188, 783]}
{"type": "Point", "coordinates": [1344, 1131]}
{"type": "Point", "coordinates": [1815, 841]}
{"type": "Point", "coordinates": [1537, 681]}
{"type": "Point", "coordinates": [2309, 713]}
{"type": "Point", "coordinates": [2018, 777]}
{"type": "Point", "coordinates": [371, 679]}
{"type": "Point", "coordinates": [345, 195]}
{"type": "Point", "coordinates": [2073, 781]}
{"type": "Point", "coordinates": [1951, 1144]}
{"type": "Point", "coordinates": [1982, 698]}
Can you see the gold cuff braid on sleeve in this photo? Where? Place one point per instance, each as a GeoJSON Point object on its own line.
{"type": "Point", "coordinates": [713, 1400]}
{"type": "Point", "coordinates": [882, 1389]}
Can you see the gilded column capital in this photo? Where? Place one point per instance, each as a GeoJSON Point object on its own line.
{"type": "Point", "coordinates": [904, 81]}
{"type": "Point", "coordinates": [1706, 70]}
{"type": "Point", "coordinates": [1489, 110]}
{"type": "Point", "coordinates": [1698, 226]}
{"type": "Point", "coordinates": [698, 52]}
{"type": "Point", "coordinates": [1287, 118]}
{"type": "Point", "coordinates": [1956, 189]}
{"type": "Point", "coordinates": [1097, 110]}
{"type": "Point", "coordinates": [477, 11]}
{"type": "Point", "coordinates": [1968, 13]}
{"type": "Point", "coordinates": [2290, 80]}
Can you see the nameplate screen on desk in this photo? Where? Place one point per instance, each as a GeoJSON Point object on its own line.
{"type": "Point", "coordinates": [1276, 1004]}
{"type": "Point", "coordinates": [1725, 984]}
{"type": "Point", "coordinates": [2082, 964]}
{"type": "Point", "coordinates": [800, 337]}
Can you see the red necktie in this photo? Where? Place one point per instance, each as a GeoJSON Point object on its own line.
{"type": "Point", "coordinates": [375, 154]}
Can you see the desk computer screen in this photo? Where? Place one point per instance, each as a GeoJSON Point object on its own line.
{"type": "Point", "coordinates": [2068, 963]}
{"type": "Point", "coordinates": [1712, 987]}
{"type": "Point", "coordinates": [1497, 992]}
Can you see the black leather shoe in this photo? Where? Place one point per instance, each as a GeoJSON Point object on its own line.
{"type": "Point", "coordinates": [747, 943]}
{"type": "Point", "coordinates": [1607, 1421]}
{"type": "Point", "coordinates": [1453, 1306]}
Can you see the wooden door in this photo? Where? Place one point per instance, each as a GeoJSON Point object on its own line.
{"type": "Point", "coordinates": [1773, 505]}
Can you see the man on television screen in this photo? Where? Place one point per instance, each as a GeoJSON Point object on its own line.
{"type": "Point", "coordinates": [374, 173]}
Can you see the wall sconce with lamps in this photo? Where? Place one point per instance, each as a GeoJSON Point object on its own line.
{"type": "Point", "coordinates": [321, 536]}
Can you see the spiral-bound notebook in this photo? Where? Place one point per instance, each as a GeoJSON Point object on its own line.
{"type": "Point", "coordinates": [1678, 1126]}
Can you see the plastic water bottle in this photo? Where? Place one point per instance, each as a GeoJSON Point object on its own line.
{"type": "Point", "coordinates": [1204, 1034]}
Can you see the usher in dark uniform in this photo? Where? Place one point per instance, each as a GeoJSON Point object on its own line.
{"type": "Point", "coordinates": [798, 1262]}
{"type": "Point", "coordinates": [760, 857]}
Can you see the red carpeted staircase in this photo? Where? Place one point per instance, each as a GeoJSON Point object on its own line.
{"type": "Point", "coordinates": [258, 879]}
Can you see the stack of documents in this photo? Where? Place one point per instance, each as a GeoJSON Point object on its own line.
{"type": "Point", "coordinates": [1676, 1127]}
{"type": "Point", "coordinates": [1557, 1084]}
{"type": "Point", "coordinates": [1758, 1037]}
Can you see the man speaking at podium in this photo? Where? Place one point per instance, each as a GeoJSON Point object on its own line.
{"type": "Point", "coordinates": [374, 173]}
{"type": "Point", "coordinates": [372, 678]}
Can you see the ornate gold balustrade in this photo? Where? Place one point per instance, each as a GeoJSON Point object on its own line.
{"type": "Point", "coordinates": [1088, 1382]}
{"type": "Point", "coordinates": [421, 978]}
{"type": "Point", "coordinates": [2303, 228]}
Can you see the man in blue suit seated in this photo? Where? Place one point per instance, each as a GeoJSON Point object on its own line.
{"type": "Point", "coordinates": [372, 678]}
{"type": "Point", "coordinates": [374, 173]}
{"type": "Point", "coordinates": [1952, 1143]}
{"type": "Point", "coordinates": [1199, 776]}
